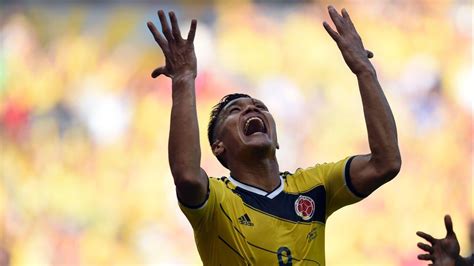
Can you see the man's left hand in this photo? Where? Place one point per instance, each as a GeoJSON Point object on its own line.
{"type": "Point", "coordinates": [349, 42]}
{"type": "Point", "coordinates": [443, 251]}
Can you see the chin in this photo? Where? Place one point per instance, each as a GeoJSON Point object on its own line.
{"type": "Point", "coordinates": [259, 142]}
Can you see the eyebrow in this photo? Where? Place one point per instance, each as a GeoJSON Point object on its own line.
{"type": "Point", "coordinates": [232, 103]}
{"type": "Point", "coordinates": [259, 102]}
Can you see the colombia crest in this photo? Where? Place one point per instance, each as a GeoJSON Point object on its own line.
{"type": "Point", "coordinates": [304, 207]}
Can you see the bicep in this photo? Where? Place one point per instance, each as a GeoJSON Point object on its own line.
{"type": "Point", "coordinates": [365, 176]}
{"type": "Point", "coordinates": [193, 191]}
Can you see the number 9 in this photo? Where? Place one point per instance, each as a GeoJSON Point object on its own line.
{"type": "Point", "coordinates": [284, 252]}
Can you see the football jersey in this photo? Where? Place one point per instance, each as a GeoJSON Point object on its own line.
{"type": "Point", "coordinates": [240, 224]}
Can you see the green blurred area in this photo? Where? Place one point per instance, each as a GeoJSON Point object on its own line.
{"type": "Point", "coordinates": [84, 128]}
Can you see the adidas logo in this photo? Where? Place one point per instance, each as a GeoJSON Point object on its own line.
{"type": "Point", "coordinates": [245, 220]}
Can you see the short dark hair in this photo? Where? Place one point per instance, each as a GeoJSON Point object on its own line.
{"type": "Point", "coordinates": [216, 110]}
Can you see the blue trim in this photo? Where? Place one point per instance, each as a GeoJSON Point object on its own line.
{"type": "Point", "coordinates": [347, 174]}
{"type": "Point", "coordinates": [257, 190]}
{"type": "Point", "coordinates": [283, 205]}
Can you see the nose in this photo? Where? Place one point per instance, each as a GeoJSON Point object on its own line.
{"type": "Point", "coordinates": [251, 108]}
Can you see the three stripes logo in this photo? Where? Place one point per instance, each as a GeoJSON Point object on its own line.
{"type": "Point", "coordinates": [245, 220]}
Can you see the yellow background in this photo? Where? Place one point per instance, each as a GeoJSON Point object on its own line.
{"type": "Point", "coordinates": [83, 152]}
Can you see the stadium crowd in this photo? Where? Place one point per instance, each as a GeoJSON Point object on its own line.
{"type": "Point", "coordinates": [84, 128]}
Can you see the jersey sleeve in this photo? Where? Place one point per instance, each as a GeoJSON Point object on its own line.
{"type": "Point", "coordinates": [335, 177]}
{"type": "Point", "coordinates": [201, 216]}
{"type": "Point", "coordinates": [339, 189]}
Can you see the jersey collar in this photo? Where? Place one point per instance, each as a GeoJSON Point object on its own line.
{"type": "Point", "coordinates": [250, 188]}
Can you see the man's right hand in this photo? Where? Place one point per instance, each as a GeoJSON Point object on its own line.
{"type": "Point", "coordinates": [179, 53]}
{"type": "Point", "coordinates": [184, 150]}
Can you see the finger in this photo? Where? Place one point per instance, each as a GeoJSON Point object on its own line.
{"type": "Point", "coordinates": [164, 26]}
{"type": "Point", "coordinates": [449, 225]}
{"type": "Point", "coordinates": [159, 71]}
{"type": "Point", "coordinates": [425, 257]}
{"type": "Point", "coordinates": [336, 18]}
{"type": "Point", "coordinates": [334, 35]}
{"type": "Point", "coordinates": [158, 37]}
{"type": "Point", "coordinates": [369, 54]}
{"type": "Point", "coordinates": [425, 247]}
{"type": "Point", "coordinates": [348, 19]}
{"type": "Point", "coordinates": [192, 31]}
{"type": "Point", "coordinates": [426, 236]}
{"type": "Point", "coordinates": [175, 27]}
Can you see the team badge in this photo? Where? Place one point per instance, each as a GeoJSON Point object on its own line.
{"type": "Point", "coordinates": [304, 207]}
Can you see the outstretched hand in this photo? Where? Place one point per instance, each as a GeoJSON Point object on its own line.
{"type": "Point", "coordinates": [179, 53]}
{"type": "Point", "coordinates": [349, 41]}
{"type": "Point", "coordinates": [441, 251]}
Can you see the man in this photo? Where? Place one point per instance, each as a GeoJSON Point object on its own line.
{"type": "Point", "coordinates": [256, 215]}
{"type": "Point", "coordinates": [443, 252]}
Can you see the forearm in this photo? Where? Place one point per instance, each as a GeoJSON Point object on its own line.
{"type": "Point", "coordinates": [183, 147]}
{"type": "Point", "coordinates": [381, 127]}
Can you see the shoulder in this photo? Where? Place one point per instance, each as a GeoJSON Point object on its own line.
{"type": "Point", "coordinates": [219, 181]}
{"type": "Point", "coordinates": [303, 179]}
{"type": "Point", "coordinates": [301, 174]}
{"type": "Point", "coordinates": [316, 175]}
{"type": "Point", "coordinates": [220, 184]}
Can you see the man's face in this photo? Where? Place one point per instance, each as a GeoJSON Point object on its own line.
{"type": "Point", "coordinates": [245, 124]}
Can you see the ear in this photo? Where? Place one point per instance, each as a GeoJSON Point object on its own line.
{"type": "Point", "coordinates": [217, 148]}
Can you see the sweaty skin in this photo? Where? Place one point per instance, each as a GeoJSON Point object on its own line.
{"type": "Point", "coordinates": [251, 159]}
{"type": "Point", "coordinates": [369, 171]}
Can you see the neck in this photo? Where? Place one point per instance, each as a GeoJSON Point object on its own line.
{"type": "Point", "coordinates": [262, 173]}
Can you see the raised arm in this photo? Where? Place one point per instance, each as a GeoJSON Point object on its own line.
{"type": "Point", "coordinates": [183, 147]}
{"type": "Point", "coordinates": [368, 172]}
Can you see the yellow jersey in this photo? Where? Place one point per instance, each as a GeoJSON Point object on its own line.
{"type": "Point", "coordinates": [240, 224]}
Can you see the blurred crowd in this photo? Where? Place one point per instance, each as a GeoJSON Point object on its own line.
{"type": "Point", "coordinates": [84, 128]}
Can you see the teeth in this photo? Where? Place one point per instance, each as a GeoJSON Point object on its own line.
{"type": "Point", "coordinates": [247, 123]}
{"type": "Point", "coordinates": [253, 118]}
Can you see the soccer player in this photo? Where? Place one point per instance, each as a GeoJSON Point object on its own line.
{"type": "Point", "coordinates": [443, 252]}
{"type": "Point", "coordinates": [258, 215]}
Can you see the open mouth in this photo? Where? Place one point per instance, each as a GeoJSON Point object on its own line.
{"type": "Point", "coordinates": [254, 125]}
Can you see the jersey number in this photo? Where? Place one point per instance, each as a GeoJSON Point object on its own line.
{"type": "Point", "coordinates": [284, 254]}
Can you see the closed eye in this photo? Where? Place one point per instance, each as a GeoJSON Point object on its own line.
{"type": "Point", "coordinates": [234, 110]}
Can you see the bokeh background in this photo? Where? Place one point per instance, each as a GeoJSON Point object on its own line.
{"type": "Point", "coordinates": [83, 155]}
